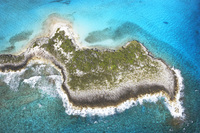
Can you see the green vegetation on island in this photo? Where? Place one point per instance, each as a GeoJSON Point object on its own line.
{"type": "Point", "coordinates": [89, 67]}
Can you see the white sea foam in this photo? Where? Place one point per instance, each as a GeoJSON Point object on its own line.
{"type": "Point", "coordinates": [12, 78]}
{"type": "Point", "coordinates": [47, 85]}
{"type": "Point", "coordinates": [37, 69]}
{"type": "Point", "coordinates": [175, 108]}
{"type": "Point", "coordinates": [39, 105]}
{"type": "Point", "coordinates": [50, 88]}
{"type": "Point", "coordinates": [32, 81]}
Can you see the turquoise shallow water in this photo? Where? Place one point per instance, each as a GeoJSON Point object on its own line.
{"type": "Point", "coordinates": [169, 29]}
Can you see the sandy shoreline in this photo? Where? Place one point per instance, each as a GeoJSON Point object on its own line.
{"type": "Point", "coordinates": [79, 101]}
{"type": "Point", "coordinates": [49, 27]}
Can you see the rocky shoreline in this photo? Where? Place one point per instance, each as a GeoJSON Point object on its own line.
{"type": "Point", "coordinates": [103, 100]}
{"type": "Point", "coordinates": [94, 100]}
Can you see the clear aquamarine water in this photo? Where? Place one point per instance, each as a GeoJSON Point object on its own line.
{"type": "Point", "coordinates": [170, 29]}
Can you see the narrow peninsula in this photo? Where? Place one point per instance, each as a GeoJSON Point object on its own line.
{"type": "Point", "coordinates": [98, 78]}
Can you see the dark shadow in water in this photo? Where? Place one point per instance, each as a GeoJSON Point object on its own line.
{"type": "Point", "coordinates": [2, 37]}
{"type": "Point", "coordinates": [125, 29]}
{"type": "Point", "coordinates": [117, 33]}
{"type": "Point", "coordinates": [8, 49]}
{"type": "Point", "coordinates": [67, 2]}
{"type": "Point", "coordinates": [16, 38]}
{"type": "Point", "coordinates": [20, 37]}
{"type": "Point", "coordinates": [98, 36]}
{"type": "Point", "coordinates": [197, 32]}
{"type": "Point", "coordinates": [165, 22]}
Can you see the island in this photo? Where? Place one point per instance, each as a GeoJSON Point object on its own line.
{"type": "Point", "coordinates": [100, 77]}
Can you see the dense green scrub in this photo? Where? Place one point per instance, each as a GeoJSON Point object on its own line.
{"type": "Point", "coordinates": [91, 66]}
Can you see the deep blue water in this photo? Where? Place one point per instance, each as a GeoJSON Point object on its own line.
{"type": "Point", "coordinates": [169, 29]}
